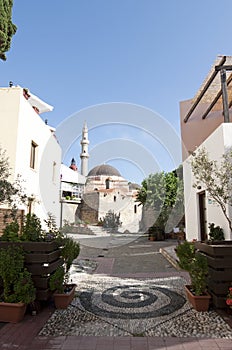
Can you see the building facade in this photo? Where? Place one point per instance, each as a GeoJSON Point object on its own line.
{"type": "Point", "coordinates": [72, 189]}
{"type": "Point", "coordinates": [203, 125]}
{"type": "Point", "coordinates": [106, 190]}
{"type": "Point", "coordinates": [32, 149]}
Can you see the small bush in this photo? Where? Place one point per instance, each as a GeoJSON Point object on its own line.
{"type": "Point", "coordinates": [216, 233]}
{"type": "Point", "coordinates": [195, 263]}
{"type": "Point", "coordinates": [111, 221]}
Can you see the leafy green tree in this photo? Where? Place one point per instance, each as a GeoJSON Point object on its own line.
{"type": "Point", "coordinates": [7, 27]}
{"type": "Point", "coordinates": [161, 192]}
{"type": "Point", "coordinates": [216, 178]}
{"type": "Point", "coordinates": [142, 193]}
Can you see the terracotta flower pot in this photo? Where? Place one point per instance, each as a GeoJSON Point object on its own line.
{"type": "Point", "coordinates": [63, 300]}
{"type": "Point", "coordinates": [199, 302]}
{"type": "Point", "coordinates": [12, 312]}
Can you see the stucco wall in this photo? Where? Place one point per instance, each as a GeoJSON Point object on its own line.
{"type": "Point", "coordinates": [20, 125]}
{"type": "Point", "coordinates": [9, 109]}
{"type": "Point", "coordinates": [69, 212]}
{"type": "Point", "coordinates": [215, 144]}
{"type": "Point", "coordinates": [196, 130]}
{"type": "Point", "coordinates": [123, 203]}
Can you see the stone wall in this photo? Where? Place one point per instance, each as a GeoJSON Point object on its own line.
{"type": "Point", "coordinates": [88, 209]}
{"type": "Point", "coordinates": [6, 218]}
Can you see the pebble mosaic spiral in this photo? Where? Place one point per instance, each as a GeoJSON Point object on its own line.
{"type": "Point", "coordinates": [132, 302]}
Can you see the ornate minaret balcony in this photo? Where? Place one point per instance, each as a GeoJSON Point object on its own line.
{"type": "Point", "coordinates": [84, 151]}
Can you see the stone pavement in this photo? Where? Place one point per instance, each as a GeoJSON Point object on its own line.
{"type": "Point", "coordinates": [124, 261]}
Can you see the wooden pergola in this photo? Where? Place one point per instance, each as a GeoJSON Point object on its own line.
{"type": "Point", "coordinates": [216, 91]}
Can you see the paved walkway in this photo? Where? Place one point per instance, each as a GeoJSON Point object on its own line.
{"type": "Point", "coordinates": [24, 335]}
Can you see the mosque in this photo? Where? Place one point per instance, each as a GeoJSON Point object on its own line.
{"type": "Point", "coordinates": [98, 191]}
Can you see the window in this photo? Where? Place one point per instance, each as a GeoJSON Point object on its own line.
{"type": "Point", "coordinates": [135, 209]}
{"type": "Point", "coordinates": [107, 184]}
{"type": "Point", "coordinates": [33, 154]}
{"type": "Point", "coordinates": [115, 198]}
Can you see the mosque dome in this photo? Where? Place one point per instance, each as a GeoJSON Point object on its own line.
{"type": "Point", "coordinates": [105, 170]}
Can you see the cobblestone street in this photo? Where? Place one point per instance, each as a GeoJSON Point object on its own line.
{"type": "Point", "coordinates": [128, 297]}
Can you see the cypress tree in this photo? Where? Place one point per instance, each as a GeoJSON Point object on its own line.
{"type": "Point", "coordinates": [7, 28]}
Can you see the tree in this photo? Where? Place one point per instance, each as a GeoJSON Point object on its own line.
{"type": "Point", "coordinates": [111, 221]}
{"type": "Point", "coordinates": [10, 193]}
{"type": "Point", "coordinates": [161, 192]}
{"type": "Point", "coordinates": [7, 28]}
{"type": "Point", "coordinates": [216, 178]}
{"type": "Point", "coordinates": [6, 188]}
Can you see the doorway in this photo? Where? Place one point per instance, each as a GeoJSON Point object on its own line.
{"type": "Point", "coordinates": [202, 215]}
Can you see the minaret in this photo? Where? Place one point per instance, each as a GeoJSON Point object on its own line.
{"type": "Point", "coordinates": [84, 151]}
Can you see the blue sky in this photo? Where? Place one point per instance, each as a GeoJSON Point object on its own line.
{"type": "Point", "coordinates": [151, 53]}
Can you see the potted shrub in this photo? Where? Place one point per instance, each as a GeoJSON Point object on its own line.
{"type": "Point", "coordinates": [196, 265]}
{"type": "Point", "coordinates": [216, 233]}
{"type": "Point", "coordinates": [18, 288]}
{"type": "Point", "coordinates": [156, 233]}
{"type": "Point", "coordinates": [41, 248]}
{"type": "Point", "coordinates": [181, 233]}
{"type": "Point", "coordinates": [59, 281]}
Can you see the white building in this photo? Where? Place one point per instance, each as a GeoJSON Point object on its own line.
{"type": "Point", "coordinates": [32, 148]}
{"type": "Point", "coordinates": [88, 196]}
{"type": "Point", "coordinates": [203, 125]}
{"type": "Point", "coordinates": [106, 190]}
{"type": "Point", "coordinates": [72, 188]}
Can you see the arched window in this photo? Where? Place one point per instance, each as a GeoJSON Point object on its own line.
{"type": "Point", "coordinates": [107, 184]}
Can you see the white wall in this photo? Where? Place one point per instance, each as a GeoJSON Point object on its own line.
{"type": "Point", "coordinates": [20, 125]}
{"type": "Point", "coordinates": [215, 144]}
{"type": "Point", "coordinates": [124, 204]}
{"type": "Point", "coordinates": [69, 212]}
{"type": "Point", "coordinates": [9, 109]}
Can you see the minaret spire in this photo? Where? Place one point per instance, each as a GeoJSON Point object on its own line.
{"type": "Point", "coordinates": [84, 150]}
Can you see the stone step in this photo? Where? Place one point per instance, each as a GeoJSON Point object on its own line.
{"type": "Point", "coordinates": [97, 230]}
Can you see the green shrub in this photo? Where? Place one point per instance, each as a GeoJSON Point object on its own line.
{"type": "Point", "coordinates": [111, 221]}
{"type": "Point", "coordinates": [17, 282]}
{"type": "Point", "coordinates": [11, 232]}
{"type": "Point", "coordinates": [56, 281]}
{"type": "Point", "coordinates": [32, 230]}
{"type": "Point", "coordinates": [195, 263]}
{"type": "Point", "coordinates": [216, 233]}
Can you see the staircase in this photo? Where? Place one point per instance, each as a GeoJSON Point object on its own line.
{"type": "Point", "coordinates": [97, 230]}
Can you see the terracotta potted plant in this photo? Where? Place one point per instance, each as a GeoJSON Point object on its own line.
{"type": "Point", "coordinates": [196, 264]}
{"type": "Point", "coordinates": [156, 233]}
{"type": "Point", "coordinates": [17, 286]}
{"type": "Point", "coordinates": [59, 281]}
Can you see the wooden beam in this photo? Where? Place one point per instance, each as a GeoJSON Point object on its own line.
{"type": "Point", "coordinates": [203, 91]}
{"type": "Point", "coordinates": [226, 67]}
{"type": "Point", "coordinates": [219, 94]}
{"type": "Point", "coordinates": [225, 96]}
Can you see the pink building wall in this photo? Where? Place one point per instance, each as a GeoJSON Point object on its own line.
{"type": "Point", "coordinates": [196, 130]}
